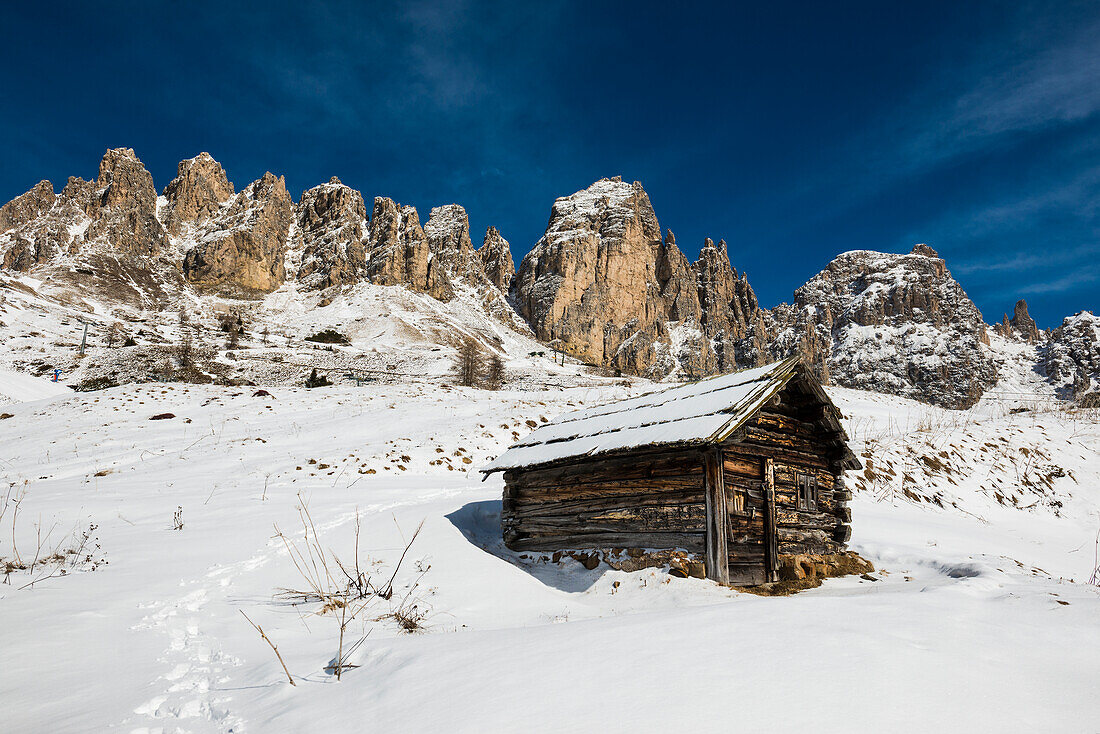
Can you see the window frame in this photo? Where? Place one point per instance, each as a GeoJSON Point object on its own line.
{"type": "Point", "coordinates": [807, 491]}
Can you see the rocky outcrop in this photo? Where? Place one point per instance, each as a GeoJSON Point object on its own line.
{"type": "Point", "coordinates": [604, 285]}
{"type": "Point", "coordinates": [332, 222]}
{"type": "Point", "coordinates": [731, 317]}
{"type": "Point", "coordinates": [114, 215]}
{"type": "Point", "coordinates": [398, 252]}
{"type": "Point", "coordinates": [496, 260]}
{"type": "Point", "coordinates": [589, 285]}
{"type": "Point", "coordinates": [1071, 359]}
{"type": "Point", "coordinates": [240, 252]}
{"type": "Point", "coordinates": [1020, 326]}
{"type": "Point", "coordinates": [26, 245]}
{"type": "Point", "coordinates": [453, 256]}
{"type": "Point", "coordinates": [123, 206]}
{"type": "Point", "coordinates": [891, 323]}
{"type": "Point", "coordinates": [25, 209]}
{"type": "Point", "coordinates": [196, 193]}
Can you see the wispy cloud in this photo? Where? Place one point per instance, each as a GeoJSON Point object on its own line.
{"type": "Point", "coordinates": [1056, 86]}
{"type": "Point", "coordinates": [1076, 279]}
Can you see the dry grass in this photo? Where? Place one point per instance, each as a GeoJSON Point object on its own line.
{"type": "Point", "coordinates": [344, 590]}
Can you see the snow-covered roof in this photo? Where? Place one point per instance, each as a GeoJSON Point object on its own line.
{"type": "Point", "coordinates": [702, 412]}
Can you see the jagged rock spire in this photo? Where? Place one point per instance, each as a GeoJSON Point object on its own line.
{"type": "Point", "coordinates": [496, 260]}
{"type": "Point", "coordinates": [196, 193]}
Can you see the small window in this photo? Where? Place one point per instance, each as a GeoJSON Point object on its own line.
{"type": "Point", "coordinates": [807, 492]}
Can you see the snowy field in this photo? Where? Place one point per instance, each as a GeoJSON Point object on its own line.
{"type": "Point", "coordinates": [983, 526]}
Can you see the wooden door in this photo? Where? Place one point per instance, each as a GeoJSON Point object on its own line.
{"type": "Point", "coordinates": [743, 488]}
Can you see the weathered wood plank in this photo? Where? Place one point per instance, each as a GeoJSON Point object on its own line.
{"type": "Point", "coordinates": [610, 503]}
{"type": "Point", "coordinates": [717, 565]}
{"type": "Point", "coordinates": [608, 491]}
{"type": "Point", "coordinates": [771, 547]}
{"type": "Point", "coordinates": [675, 518]}
{"type": "Point", "coordinates": [619, 467]}
{"type": "Point", "coordinates": [693, 542]}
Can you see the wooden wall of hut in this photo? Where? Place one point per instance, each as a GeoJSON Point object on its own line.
{"type": "Point", "coordinates": [649, 500]}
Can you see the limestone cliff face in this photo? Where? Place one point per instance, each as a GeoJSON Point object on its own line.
{"type": "Point", "coordinates": [891, 323]}
{"type": "Point", "coordinates": [604, 284]}
{"type": "Point", "coordinates": [398, 252]}
{"type": "Point", "coordinates": [241, 250]}
{"type": "Point", "coordinates": [732, 320]}
{"type": "Point", "coordinates": [332, 222]}
{"type": "Point", "coordinates": [115, 215]}
{"type": "Point", "coordinates": [24, 209]}
{"type": "Point", "coordinates": [448, 233]}
{"type": "Point", "coordinates": [196, 193]}
{"type": "Point", "coordinates": [29, 245]}
{"type": "Point", "coordinates": [496, 260]}
{"type": "Point", "coordinates": [589, 285]}
{"type": "Point", "coordinates": [124, 206]}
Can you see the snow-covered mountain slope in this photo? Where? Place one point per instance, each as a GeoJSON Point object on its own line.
{"type": "Point", "coordinates": [393, 334]}
{"type": "Point", "coordinates": [978, 618]}
{"type": "Point", "coordinates": [892, 323]}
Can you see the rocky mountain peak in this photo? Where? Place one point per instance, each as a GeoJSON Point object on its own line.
{"type": "Point", "coordinates": [589, 283]}
{"type": "Point", "coordinates": [398, 252]}
{"type": "Point", "coordinates": [924, 250]}
{"type": "Point", "coordinates": [124, 205]}
{"type": "Point", "coordinates": [1020, 326]}
{"type": "Point", "coordinates": [241, 251]}
{"type": "Point", "coordinates": [891, 323]}
{"type": "Point", "coordinates": [27, 207]}
{"type": "Point", "coordinates": [1071, 358]}
{"type": "Point", "coordinates": [496, 260]}
{"type": "Point", "coordinates": [332, 222]}
{"type": "Point", "coordinates": [196, 193]}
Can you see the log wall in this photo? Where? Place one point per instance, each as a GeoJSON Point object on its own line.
{"type": "Point", "coordinates": [644, 501]}
{"type": "Point", "coordinates": [794, 449]}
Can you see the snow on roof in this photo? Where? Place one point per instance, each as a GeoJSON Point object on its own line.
{"type": "Point", "coordinates": [700, 412]}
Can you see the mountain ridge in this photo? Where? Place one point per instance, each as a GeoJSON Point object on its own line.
{"type": "Point", "coordinates": [603, 284]}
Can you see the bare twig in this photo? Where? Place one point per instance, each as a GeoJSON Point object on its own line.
{"type": "Point", "coordinates": [274, 648]}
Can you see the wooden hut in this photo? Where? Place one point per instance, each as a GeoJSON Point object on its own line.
{"type": "Point", "coordinates": [744, 470]}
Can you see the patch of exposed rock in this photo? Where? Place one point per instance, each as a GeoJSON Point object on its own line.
{"type": "Point", "coordinates": [332, 222]}
{"type": "Point", "coordinates": [113, 216]}
{"type": "Point", "coordinates": [240, 252]}
{"type": "Point", "coordinates": [456, 263]}
{"type": "Point", "coordinates": [1071, 358]}
{"type": "Point", "coordinates": [196, 193]}
{"type": "Point", "coordinates": [898, 324]}
{"type": "Point", "coordinates": [731, 317]}
{"type": "Point", "coordinates": [589, 285]}
{"type": "Point", "coordinates": [25, 244]}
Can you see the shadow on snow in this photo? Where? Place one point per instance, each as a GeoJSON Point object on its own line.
{"type": "Point", "coordinates": [479, 523]}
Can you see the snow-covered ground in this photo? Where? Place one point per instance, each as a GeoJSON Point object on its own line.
{"type": "Point", "coordinates": [980, 617]}
{"type": "Point", "coordinates": [17, 387]}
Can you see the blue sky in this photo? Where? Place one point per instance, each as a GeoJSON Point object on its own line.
{"type": "Point", "coordinates": [794, 131]}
